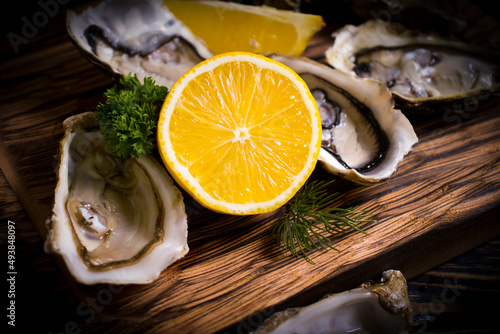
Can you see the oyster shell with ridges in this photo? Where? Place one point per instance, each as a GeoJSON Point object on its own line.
{"type": "Point", "coordinates": [424, 72]}
{"type": "Point", "coordinates": [364, 138]}
{"type": "Point", "coordinates": [372, 308]}
{"type": "Point", "coordinates": [113, 221]}
{"type": "Point", "coordinates": [139, 37]}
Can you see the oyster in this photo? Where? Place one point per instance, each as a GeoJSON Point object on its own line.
{"type": "Point", "coordinates": [113, 221]}
{"type": "Point", "coordinates": [372, 308]}
{"type": "Point", "coordinates": [141, 37]}
{"type": "Point", "coordinates": [424, 72]}
{"type": "Point", "coordinates": [364, 138]}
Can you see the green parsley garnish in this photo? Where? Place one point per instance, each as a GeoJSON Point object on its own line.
{"type": "Point", "coordinates": [128, 118]}
{"type": "Point", "coordinates": [308, 217]}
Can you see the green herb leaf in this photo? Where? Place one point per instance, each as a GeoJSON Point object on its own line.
{"type": "Point", "coordinates": [308, 220]}
{"type": "Point", "coordinates": [128, 118]}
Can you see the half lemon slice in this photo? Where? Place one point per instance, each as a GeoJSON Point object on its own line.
{"type": "Point", "coordinates": [240, 132]}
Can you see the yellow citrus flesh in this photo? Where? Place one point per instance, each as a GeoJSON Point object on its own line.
{"type": "Point", "coordinates": [226, 26]}
{"type": "Point", "coordinates": [240, 132]}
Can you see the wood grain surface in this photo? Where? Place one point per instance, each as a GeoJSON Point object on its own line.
{"type": "Point", "coordinates": [443, 201]}
{"type": "Point", "coordinates": [459, 296]}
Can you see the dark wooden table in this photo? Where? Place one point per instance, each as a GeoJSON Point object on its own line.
{"type": "Point", "coordinates": [458, 296]}
{"type": "Point", "coordinates": [453, 285]}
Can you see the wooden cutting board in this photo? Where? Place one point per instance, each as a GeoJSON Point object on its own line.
{"type": "Point", "coordinates": [443, 200]}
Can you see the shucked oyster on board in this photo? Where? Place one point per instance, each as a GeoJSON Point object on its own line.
{"type": "Point", "coordinates": [113, 221]}
{"type": "Point", "coordinates": [423, 71]}
{"type": "Point", "coordinates": [372, 308]}
{"type": "Point", "coordinates": [140, 37]}
{"type": "Point", "coordinates": [364, 138]}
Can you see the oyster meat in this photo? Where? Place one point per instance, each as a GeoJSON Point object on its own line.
{"type": "Point", "coordinates": [113, 221]}
{"type": "Point", "coordinates": [372, 308]}
{"type": "Point", "coordinates": [139, 37]}
{"type": "Point", "coordinates": [423, 71]}
{"type": "Point", "coordinates": [364, 138]}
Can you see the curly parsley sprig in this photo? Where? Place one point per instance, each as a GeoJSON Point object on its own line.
{"type": "Point", "coordinates": [128, 118]}
{"type": "Point", "coordinates": [308, 217]}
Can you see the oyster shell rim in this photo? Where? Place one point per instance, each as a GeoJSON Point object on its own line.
{"type": "Point", "coordinates": [170, 195]}
{"type": "Point", "coordinates": [197, 46]}
{"type": "Point", "coordinates": [396, 303]}
{"type": "Point", "coordinates": [402, 129]}
{"type": "Point", "coordinates": [416, 105]}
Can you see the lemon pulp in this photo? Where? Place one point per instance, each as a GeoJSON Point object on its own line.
{"type": "Point", "coordinates": [240, 133]}
{"type": "Point", "coordinates": [228, 26]}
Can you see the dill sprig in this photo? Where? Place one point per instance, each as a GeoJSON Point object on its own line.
{"type": "Point", "coordinates": [308, 217]}
{"type": "Point", "coordinates": [128, 118]}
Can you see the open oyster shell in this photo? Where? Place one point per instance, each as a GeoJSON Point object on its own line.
{"type": "Point", "coordinates": [141, 37]}
{"type": "Point", "coordinates": [372, 308]}
{"type": "Point", "coordinates": [364, 138]}
{"type": "Point", "coordinates": [113, 221]}
{"type": "Point", "coordinates": [424, 72]}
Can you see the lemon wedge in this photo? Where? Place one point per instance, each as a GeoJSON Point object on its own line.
{"type": "Point", "coordinates": [227, 26]}
{"type": "Point", "coordinates": [240, 132]}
